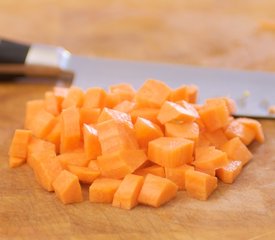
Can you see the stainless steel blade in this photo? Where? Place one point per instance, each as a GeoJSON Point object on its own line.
{"type": "Point", "coordinates": [252, 91]}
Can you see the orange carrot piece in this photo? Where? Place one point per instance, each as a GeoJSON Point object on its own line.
{"type": "Point", "coordinates": [74, 98]}
{"type": "Point", "coordinates": [112, 99]}
{"type": "Point", "coordinates": [229, 173]}
{"type": "Point", "coordinates": [230, 104]}
{"type": "Point", "coordinates": [92, 146]}
{"type": "Point", "coordinates": [216, 138]}
{"type": "Point", "coordinates": [170, 152]}
{"type": "Point", "coordinates": [76, 158]}
{"type": "Point", "coordinates": [189, 130]}
{"type": "Point", "coordinates": [52, 103]}
{"type": "Point", "coordinates": [93, 165]}
{"type": "Point", "coordinates": [171, 111]}
{"type": "Point", "coordinates": [210, 158]}
{"type": "Point", "coordinates": [103, 190]}
{"type": "Point", "coordinates": [61, 92]}
{"type": "Point", "coordinates": [236, 150]}
{"type": "Point", "coordinates": [126, 196]}
{"type": "Point", "coordinates": [32, 108]}
{"type": "Point", "coordinates": [154, 169]}
{"type": "Point", "coordinates": [203, 140]}
{"type": "Point", "coordinates": [16, 161]}
{"type": "Point", "coordinates": [89, 115]}
{"type": "Point", "coordinates": [19, 144]}
{"type": "Point", "coordinates": [256, 126]}
{"type": "Point", "coordinates": [124, 91]}
{"type": "Point", "coordinates": [122, 162]}
{"type": "Point", "coordinates": [70, 130]}
{"type": "Point", "coordinates": [67, 188]}
{"type": "Point", "coordinates": [152, 93]}
{"type": "Point", "coordinates": [180, 93]}
{"type": "Point", "coordinates": [157, 191]}
{"type": "Point", "coordinates": [95, 98]}
{"type": "Point", "coordinates": [192, 92]}
{"type": "Point", "coordinates": [125, 106]}
{"type": "Point", "coordinates": [54, 135]}
{"type": "Point", "coordinates": [147, 113]}
{"type": "Point", "coordinates": [146, 131]}
{"type": "Point", "coordinates": [238, 129]}
{"type": "Point", "coordinates": [84, 174]}
{"type": "Point", "coordinates": [210, 171]}
{"type": "Point", "coordinates": [199, 185]}
{"type": "Point", "coordinates": [177, 175]}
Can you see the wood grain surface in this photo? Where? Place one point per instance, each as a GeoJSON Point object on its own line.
{"type": "Point", "coordinates": [209, 33]}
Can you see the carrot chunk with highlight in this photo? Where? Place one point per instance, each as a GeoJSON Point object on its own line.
{"type": "Point", "coordinates": [67, 188]}
{"type": "Point", "coordinates": [180, 93]}
{"type": "Point", "coordinates": [89, 115]}
{"type": "Point", "coordinates": [192, 92]}
{"type": "Point", "coordinates": [125, 106]}
{"type": "Point", "coordinates": [16, 161]}
{"type": "Point", "coordinates": [84, 174]}
{"type": "Point", "coordinates": [76, 158]}
{"type": "Point", "coordinates": [154, 169]}
{"type": "Point", "coordinates": [147, 113]}
{"type": "Point", "coordinates": [230, 172]}
{"type": "Point", "coordinates": [102, 190]}
{"type": "Point", "coordinates": [91, 143]}
{"type": "Point", "coordinates": [127, 193]}
{"type": "Point", "coordinates": [94, 98]}
{"type": "Point", "coordinates": [19, 144]}
{"type": "Point", "coordinates": [52, 103]}
{"type": "Point", "coordinates": [32, 108]}
{"type": "Point", "coordinates": [170, 152]}
{"type": "Point", "coordinates": [157, 191]}
{"type": "Point", "coordinates": [74, 98]}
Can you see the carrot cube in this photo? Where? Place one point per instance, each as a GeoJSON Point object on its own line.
{"type": "Point", "coordinates": [192, 92]}
{"type": "Point", "coordinates": [95, 98]}
{"type": "Point", "coordinates": [76, 158]}
{"type": "Point", "coordinates": [89, 115]}
{"type": "Point", "coordinates": [19, 144]}
{"type": "Point", "coordinates": [216, 138]}
{"type": "Point", "coordinates": [170, 151]}
{"type": "Point", "coordinates": [125, 106]}
{"type": "Point", "coordinates": [32, 108]}
{"type": "Point", "coordinates": [199, 185]}
{"type": "Point", "coordinates": [157, 191]}
{"type": "Point", "coordinates": [178, 94]}
{"type": "Point", "coordinates": [74, 98]}
{"type": "Point", "coordinates": [67, 188]}
{"type": "Point", "coordinates": [84, 174]}
{"type": "Point", "coordinates": [93, 165]}
{"type": "Point", "coordinates": [147, 113]}
{"type": "Point", "coordinates": [154, 169]}
{"type": "Point", "coordinates": [229, 173]}
{"type": "Point", "coordinates": [52, 103]}
{"type": "Point", "coordinates": [91, 143]}
{"type": "Point", "coordinates": [126, 196]}
{"type": "Point", "coordinates": [103, 190]}
{"type": "Point", "coordinates": [54, 135]}
{"type": "Point", "coordinates": [16, 161]}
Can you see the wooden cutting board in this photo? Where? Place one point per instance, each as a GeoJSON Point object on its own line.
{"type": "Point", "coordinates": [244, 210]}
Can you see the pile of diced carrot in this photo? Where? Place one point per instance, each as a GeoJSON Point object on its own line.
{"type": "Point", "coordinates": [132, 147]}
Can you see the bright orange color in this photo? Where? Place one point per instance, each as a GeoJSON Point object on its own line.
{"type": "Point", "coordinates": [125, 106]}
{"type": "Point", "coordinates": [177, 175]}
{"type": "Point", "coordinates": [120, 163]}
{"type": "Point", "coordinates": [210, 158]}
{"type": "Point", "coordinates": [32, 108]}
{"type": "Point", "coordinates": [16, 161]}
{"type": "Point", "coordinates": [199, 185]}
{"type": "Point", "coordinates": [84, 174]}
{"type": "Point", "coordinates": [157, 191]}
{"type": "Point", "coordinates": [52, 103]}
{"type": "Point", "coordinates": [54, 135]}
{"type": "Point", "coordinates": [171, 112]}
{"type": "Point", "coordinates": [236, 150]}
{"type": "Point", "coordinates": [19, 144]}
{"type": "Point", "coordinates": [146, 131]}
{"type": "Point", "coordinates": [170, 151]}
{"type": "Point", "coordinates": [230, 104]}
{"type": "Point", "coordinates": [238, 129]}
{"type": "Point", "coordinates": [216, 138]}
{"type": "Point", "coordinates": [152, 93]}
{"type": "Point", "coordinates": [203, 140]}
{"type": "Point", "coordinates": [192, 92]}
{"type": "Point", "coordinates": [127, 193]}
{"type": "Point", "coordinates": [74, 98]}
{"type": "Point", "coordinates": [229, 173]}
{"type": "Point", "coordinates": [92, 146]}
{"type": "Point", "coordinates": [189, 130]}
{"type": "Point", "coordinates": [94, 98]}
{"type": "Point", "coordinates": [154, 169]}
{"type": "Point", "coordinates": [178, 94]}
{"type": "Point", "coordinates": [147, 113]}
{"type": "Point", "coordinates": [76, 158]}
{"type": "Point", "coordinates": [103, 190]}
{"type": "Point", "coordinates": [89, 115]}
{"type": "Point", "coordinates": [70, 130]}
{"type": "Point", "coordinates": [93, 165]}
{"type": "Point", "coordinates": [210, 171]}
{"type": "Point", "coordinates": [124, 91]}
{"type": "Point", "coordinates": [67, 188]}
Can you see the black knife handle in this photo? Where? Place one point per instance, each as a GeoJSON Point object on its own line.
{"type": "Point", "coordinates": [12, 52]}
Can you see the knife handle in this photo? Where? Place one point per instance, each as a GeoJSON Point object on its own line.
{"type": "Point", "coordinates": [13, 52]}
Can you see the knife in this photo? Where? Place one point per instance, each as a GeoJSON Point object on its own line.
{"type": "Point", "coordinates": [253, 91]}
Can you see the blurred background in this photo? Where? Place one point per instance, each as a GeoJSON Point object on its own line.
{"type": "Point", "coordinates": [217, 33]}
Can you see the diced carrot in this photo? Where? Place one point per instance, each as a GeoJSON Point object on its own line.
{"type": "Point", "coordinates": [171, 111]}
{"type": "Point", "coordinates": [84, 174]}
{"type": "Point", "coordinates": [54, 135]}
{"type": "Point", "coordinates": [112, 99]}
{"type": "Point", "coordinates": [16, 161]}
{"type": "Point", "coordinates": [52, 103]}
{"type": "Point", "coordinates": [214, 116]}
{"type": "Point", "coordinates": [124, 91]}
{"type": "Point", "coordinates": [67, 188]}
{"type": "Point", "coordinates": [91, 143]}
{"type": "Point", "coordinates": [70, 130]}
{"type": "Point", "coordinates": [125, 106]}
{"type": "Point", "coordinates": [236, 150]}
{"type": "Point", "coordinates": [93, 165]}
{"type": "Point", "coordinates": [230, 104]}
{"type": "Point", "coordinates": [238, 129]}
{"type": "Point", "coordinates": [120, 163]}
{"type": "Point", "coordinates": [126, 196]}
{"type": "Point", "coordinates": [199, 185]}
{"type": "Point", "coordinates": [192, 92]}
{"type": "Point", "coordinates": [177, 175]}
{"type": "Point", "coordinates": [19, 144]}
{"type": "Point", "coordinates": [210, 158]}
{"type": "Point", "coordinates": [32, 108]}
{"type": "Point", "coordinates": [203, 140]}
{"type": "Point", "coordinates": [216, 138]}
{"type": "Point", "coordinates": [157, 191]}
{"type": "Point", "coordinates": [74, 98]}
{"type": "Point", "coordinates": [154, 169]}
{"type": "Point", "coordinates": [146, 131]}
{"type": "Point", "coordinates": [103, 190]}
{"type": "Point", "coordinates": [89, 115]}
{"type": "Point", "coordinates": [114, 136]}
{"type": "Point", "coordinates": [180, 93]}
{"type": "Point", "coordinates": [147, 113]}
{"type": "Point", "coordinates": [210, 171]}
{"type": "Point", "coordinates": [76, 158]}
{"type": "Point", "coordinates": [189, 107]}
{"type": "Point", "coordinates": [170, 151]}
{"type": "Point", "coordinates": [256, 126]}
{"type": "Point", "coordinates": [189, 130]}
{"type": "Point", "coordinates": [95, 98]}
{"type": "Point", "coordinates": [229, 173]}
{"type": "Point", "coordinates": [42, 124]}
{"type": "Point", "coordinates": [152, 93]}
